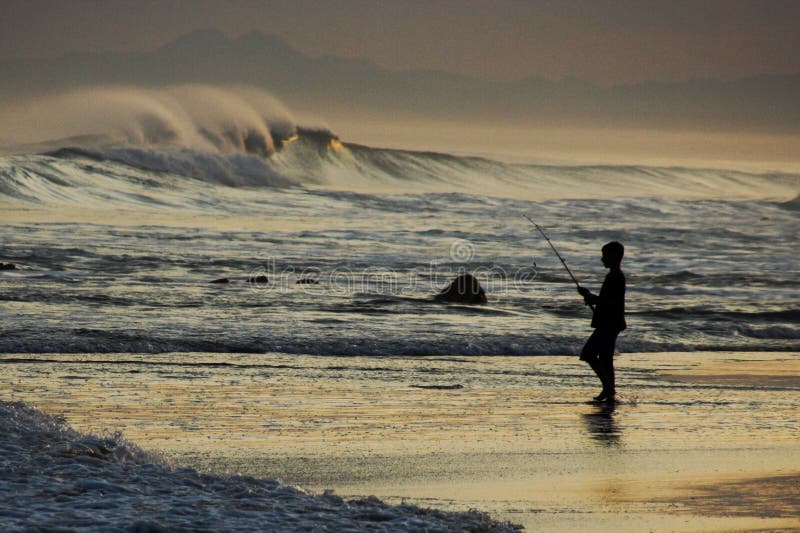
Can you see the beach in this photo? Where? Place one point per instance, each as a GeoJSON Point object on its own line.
{"type": "Point", "coordinates": [330, 266]}
{"type": "Point", "coordinates": [699, 441]}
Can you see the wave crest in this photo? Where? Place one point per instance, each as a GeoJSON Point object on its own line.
{"type": "Point", "coordinates": [201, 117]}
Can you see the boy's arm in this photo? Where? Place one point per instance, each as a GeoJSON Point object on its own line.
{"type": "Point", "coordinates": [588, 297]}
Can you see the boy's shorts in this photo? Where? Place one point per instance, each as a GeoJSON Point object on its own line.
{"type": "Point", "coordinates": [600, 345]}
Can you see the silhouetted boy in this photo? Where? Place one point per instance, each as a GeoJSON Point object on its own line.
{"type": "Point", "coordinates": [608, 320]}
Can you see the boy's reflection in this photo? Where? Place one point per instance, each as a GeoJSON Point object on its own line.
{"type": "Point", "coordinates": [601, 424]}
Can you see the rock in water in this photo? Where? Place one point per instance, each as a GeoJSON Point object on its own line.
{"type": "Point", "coordinates": [220, 280]}
{"type": "Point", "coordinates": [8, 266]}
{"type": "Point", "coordinates": [465, 289]}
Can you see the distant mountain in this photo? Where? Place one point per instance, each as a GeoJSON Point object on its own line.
{"type": "Point", "coordinates": [356, 86]}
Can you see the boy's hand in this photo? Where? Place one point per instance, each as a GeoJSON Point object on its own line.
{"type": "Point", "coordinates": [583, 291]}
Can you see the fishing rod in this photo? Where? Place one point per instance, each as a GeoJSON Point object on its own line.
{"type": "Point", "coordinates": [538, 227]}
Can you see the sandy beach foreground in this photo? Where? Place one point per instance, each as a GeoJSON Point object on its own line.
{"type": "Point", "coordinates": [700, 441]}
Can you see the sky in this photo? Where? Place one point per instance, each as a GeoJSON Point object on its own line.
{"type": "Point", "coordinates": [603, 41]}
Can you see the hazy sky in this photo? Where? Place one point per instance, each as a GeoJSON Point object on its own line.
{"type": "Point", "coordinates": [605, 41]}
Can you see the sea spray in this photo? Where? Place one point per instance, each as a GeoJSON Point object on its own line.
{"type": "Point", "coordinates": [224, 119]}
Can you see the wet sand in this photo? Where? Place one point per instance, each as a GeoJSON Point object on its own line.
{"type": "Point", "coordinates": [701, 441]}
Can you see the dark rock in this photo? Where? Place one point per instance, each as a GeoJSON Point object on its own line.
{"type": "Point", "coordinates": [8, 266]}
{"type": "Point", "coordinates": [306, 281]}
{"type": "Point", "coordinates": [464, 289]}
{"type": "Point", "coordinates": [220, 280]}
{"type": "Point", "coordinates": [258, 279]}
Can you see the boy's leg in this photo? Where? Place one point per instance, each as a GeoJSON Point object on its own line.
{"type": "Point", "coordinates": [606, 365]}
{"type": "Point", "coordinates": [608, 387]}
{"type": "Point", "coordinates": [606, 359]}
{"type": "Point", "coordinates": [591, 351]}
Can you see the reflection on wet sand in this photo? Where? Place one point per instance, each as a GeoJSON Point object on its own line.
{"type": "Point", "coordinates": [601, 425]}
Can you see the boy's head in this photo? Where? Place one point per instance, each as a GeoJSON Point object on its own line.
{"type": "Point", "coordinates": [612, 254]}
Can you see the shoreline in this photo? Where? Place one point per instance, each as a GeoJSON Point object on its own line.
{"type": "Point", "coordinates": [57, 478]}
{"type": "Point", "coordinates": [697, 436]}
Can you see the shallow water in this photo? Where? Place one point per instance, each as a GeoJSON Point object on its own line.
{"type": "Point", "coordinates": [517, 440]}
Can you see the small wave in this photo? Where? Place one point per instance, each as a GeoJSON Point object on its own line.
{"type": "Point", "coordinates": [679, 277]}
{"type": "Point", "coordinates": [770, 341]}
{"type": "Point", "coordinates": [724, 279]}
{"type": "Point", "coordinates": [793, 204]}
{"type": "Point", "coordinates": [768, 332]}
{"type": "Point", "coordinates": [98, 341]}
{"type": "Point", "coordinates": [686, 313]}
{"type": "Point", "coordinates": [85, 340]}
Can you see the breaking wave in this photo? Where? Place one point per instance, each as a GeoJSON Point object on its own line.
{"type": "Point", "coordinates": [243, 137]}
{"type": "Point", "coordinates": [235, 170]}
{"type": "Point", "coordinates": [235, 119]}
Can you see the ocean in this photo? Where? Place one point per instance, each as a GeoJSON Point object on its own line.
{"type": "Point", "coordinates": [115, 248]}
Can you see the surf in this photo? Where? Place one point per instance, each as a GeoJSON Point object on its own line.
{"type": "Point", "coordinates": [237, 136]}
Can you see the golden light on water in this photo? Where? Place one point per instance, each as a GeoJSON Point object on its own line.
{"type": "Point", "coordinates": [516, 435]}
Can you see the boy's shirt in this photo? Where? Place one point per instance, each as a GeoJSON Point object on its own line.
{"type": "Point", "coordinates": [609, 311]}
